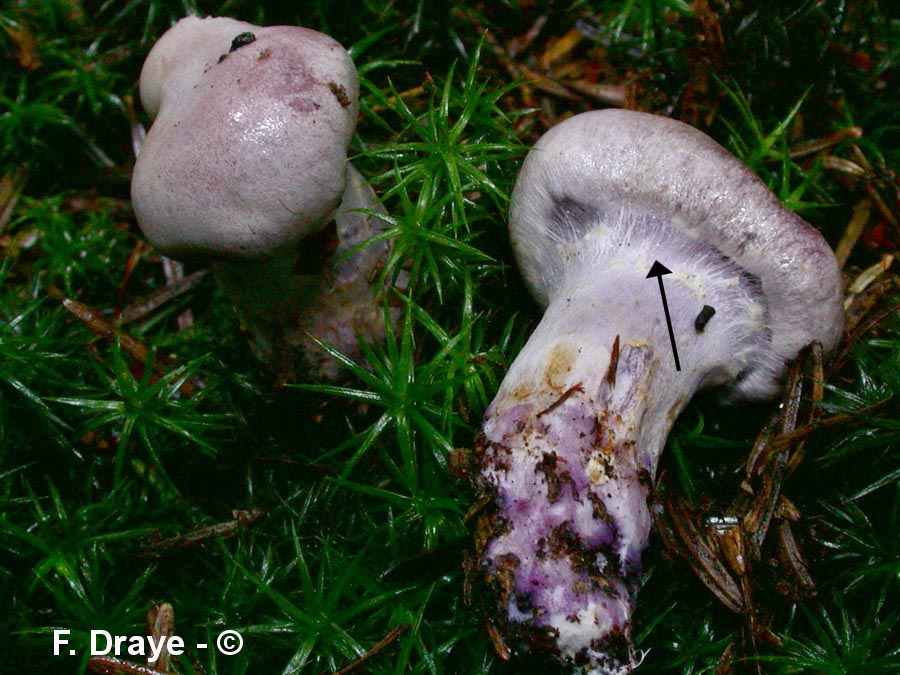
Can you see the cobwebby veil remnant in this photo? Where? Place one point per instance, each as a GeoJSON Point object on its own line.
{"type": "Point", "coordinates": [570, 445]}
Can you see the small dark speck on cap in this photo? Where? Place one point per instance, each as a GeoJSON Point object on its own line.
{"type": "Point", "coordinates": [339, 93]}
{"type": "Point", "coordinates": [242, 40]}
{"type": "Point", "coordinates": [703, 318]}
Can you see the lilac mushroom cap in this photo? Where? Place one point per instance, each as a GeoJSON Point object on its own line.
{"type": "Point", "coordinates": [248, 149]}
{"type": "Point", "coordinates": [570, 445]}
{"type": "Point", "coordinates": [245, 167]}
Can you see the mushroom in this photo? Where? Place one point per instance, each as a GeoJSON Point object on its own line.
{"type": "Point", "coordinates": [245, 168]}
{"type": "Point", "coordinates": [570, 445]}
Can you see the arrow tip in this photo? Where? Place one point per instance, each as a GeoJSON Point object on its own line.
{"type": "Point", "coordinates": [658, 270]}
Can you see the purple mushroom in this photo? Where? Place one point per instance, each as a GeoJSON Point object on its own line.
{"type": "Point", "coordinates": [245, 168]}
{"type": "Point", "coordinates": [570, 445]}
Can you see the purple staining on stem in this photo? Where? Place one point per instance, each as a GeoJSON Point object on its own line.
{"type": "Point", "coordinates": [571, 443]}
{"type": "Point", "coordinates": [563, 555]}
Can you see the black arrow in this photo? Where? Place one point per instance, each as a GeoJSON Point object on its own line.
{"type": "Point", "coordinates": [658, 270]}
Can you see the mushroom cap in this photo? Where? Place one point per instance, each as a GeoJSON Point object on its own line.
{"type": "Point", "coordinates": [247, 152]}
{"type": "Point", "coordinates": [600, 169]}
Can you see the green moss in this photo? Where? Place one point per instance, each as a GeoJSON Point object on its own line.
{"type": "Point", "coordinates": [122, 459]}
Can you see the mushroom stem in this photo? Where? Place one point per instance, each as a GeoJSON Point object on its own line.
{"type": "Point", "coordinates": [568, 459]}
{"type": "Point", "coordinates": [322, 291]}
{"type": "Point", "coordinates": [570, 450]}
{"type": "Point", "coordinates": [264, 293]}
